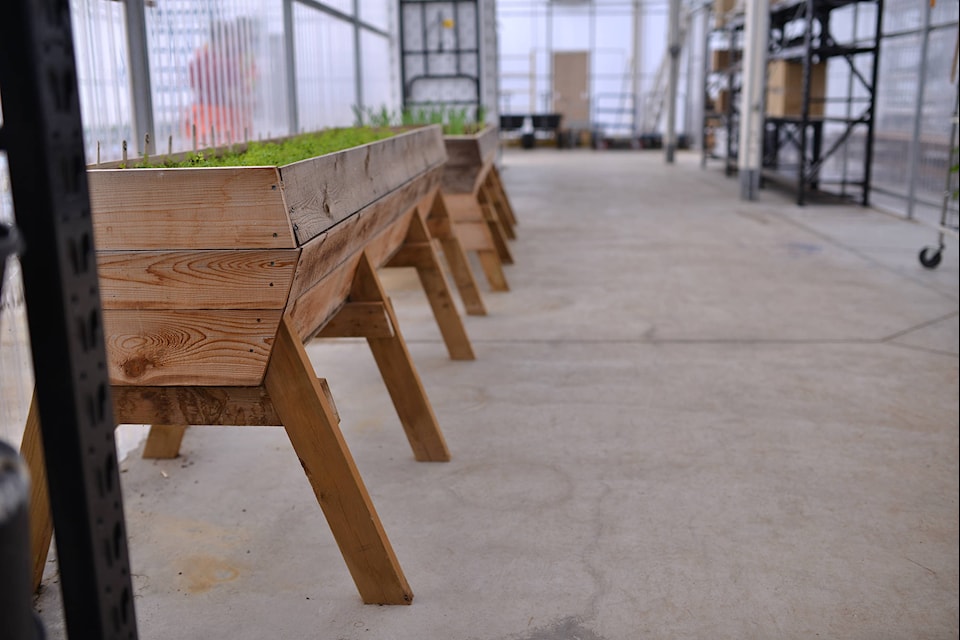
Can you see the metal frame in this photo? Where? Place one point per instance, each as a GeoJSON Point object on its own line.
{"type": "Point", "coordinates": [805, 133]}
{"type": "Point", "coordinates": [42, 135]}
{"type": "Point", "coordinates": [407, 83]}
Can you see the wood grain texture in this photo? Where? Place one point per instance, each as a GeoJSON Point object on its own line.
{"type": "Point", "coordinates": [497, 184]}
{"type": "Point", "coordinates": [469, 159]}
{"type": "Point", "coordinates": [200, 208]}
{"type": "Point", "coordinates": [194, 406]}
{"type": "Point", "coordinates": [399, 374]}
{"type": "Point", "coordinates": [326, 251]}
{"type": "Point", "coordinates": [184, 348]}
{"type": "Point", "coordinates": [440, 228]}
{"type": "Point", "coordinates": [463, 207]}
{"type": "Point", "coordinates": [322, 191]}
{"type": "Point", "coordinates": [163, 441]}
{"type": "Point", "coordinates": [381, 247]}
{"type": "Point", "coordinates": [41, 520]}
{"type": "Point", "coordinates": [418, 251]}
{"type": "Point", "coordinates": [311, 425]}
{"type": "Point", "coordinates": [243, 279]}
{"type": "Point", "coordinates": [359, 320]}
{"type": "Point", "coordinates": [312, 309]}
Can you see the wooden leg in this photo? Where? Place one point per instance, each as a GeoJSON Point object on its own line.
{"type": "Point", "coordinates": [441, 229]}
{"type": "Point", "coordinates": [399, 374]}
{"type": "Point", "coordinates": [501, 194]}
{"type": "Point", "coordinates": [496, 229]}
{"type": "Point", "coordinates": [499, 206]}
{"type": "Point", "coordinates": [41, 520]}
{"type": "Point", "coordinates": [418, 252]}
{"type": "Point", "coordinates": [163, 441]}
{"type": "Point", "coordinates": [493, 270]}
{"type": "Point", "coordinates": [312, 427]}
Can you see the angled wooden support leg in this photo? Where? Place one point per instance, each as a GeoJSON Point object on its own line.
{"type": "Point", "coordinates": [496, 229]}
{"type": "Point", "coordinates": [41, 520]}
{"type": "Point", "coordinates": [163, 441]}
{"type": "Point", "coordinates": [311, 425]}
{"type": "Point", "coordinates": [441, 229]}
{"type": "Point", "coordinates": [500, 208]}
{"type": "Point", "coordinates": [417, 251]}
{"type": "Point", "coordinates": [501, 194]}
{"type": "Point", "coordinates": [397, 370]}
{"type": "Point", "coordinates": [473, 230]}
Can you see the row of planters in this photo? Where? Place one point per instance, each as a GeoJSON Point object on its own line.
{"type": "Point", "coordinates": [216, 267]}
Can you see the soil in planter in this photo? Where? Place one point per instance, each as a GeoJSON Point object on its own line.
{"type": "Point", "coordinates": [287, 151]}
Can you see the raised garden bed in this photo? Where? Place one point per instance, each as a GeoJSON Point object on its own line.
{"type": "Point", "coordinates": [213, 278]}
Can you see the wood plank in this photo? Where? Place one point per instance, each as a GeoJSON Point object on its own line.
{"type": "Point", "coordinates": [381, 247]}
{"type": "Point", "coordinates": [245, 279]}
{"type": "Point", "coordinates": [183, 348]}
{"type": "Point", "coordinates": [496, 228]}
{"type": "Point", "coordinates": [469, 159]}
{"type": "Point", "coordinates": [41, 519]}
{"type": "Point", "coordinates": [474, 236]}
{"type": "Point", "coordinates": [440, 228]}
{"type": "Point", "coordinates": [312, 427]}
{"type": "Point", "coordinates": [309, 312]}
{"type": "Point", "coordinates": [359, 320]}
{"type": "Point", "coordinates": [323, 191]}
{"type": "Point", "coordinates": [399, 374]}
{"type": "Point", "coordinates": [421, 254]}
{"type": "Point", "coordinates": [463, 207]}
{"type": "Point", "coordinates": [493, 270]}
{"type": "Point", "coordinates": [489, 192]}
{"type": "Point", "coordinates": [326, 251]}
{"type": "Point", "coordinates": [163, 441]}
{"type": "Point", "coordinates": [199, 208]}
{"type": "Point", "coordinates": [195, 406]}
{"type": "Point", "coordinates": [501, 192]}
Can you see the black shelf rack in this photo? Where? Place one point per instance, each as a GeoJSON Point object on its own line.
{"type": "Point", "coordinates": [797, 147]}
{"type": "Point", "coordinates": [42, 137]}
{"type": "Point", "coordinates": [800, 31]}
{"type": "Point", "coordinates": [723, 80]}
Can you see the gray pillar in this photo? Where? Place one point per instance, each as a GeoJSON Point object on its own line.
{"type": "Point", "coordinates": [293, 117]}
{"type": "Point", "coordinates": [136, 23]}
{"type": "Point", "coordinates": [750, 156]}
{"type": "Point", "coordinates": [673, 44]}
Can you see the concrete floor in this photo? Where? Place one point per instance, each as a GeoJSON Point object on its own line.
{"type": "Point", "coordinates": [692, 417]}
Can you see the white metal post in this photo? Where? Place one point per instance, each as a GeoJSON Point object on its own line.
{"type": "Point", "coordinates": [757, 22]}
{"type": "Point", "coordinates": [636, 81]}
{"type": "Point", "coordinates": [673, 43]}
{"type": "Point", "coordinates": [914, 152]}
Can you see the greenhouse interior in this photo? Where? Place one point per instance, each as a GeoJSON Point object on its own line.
{"type": "Point", "coordinates": [678, 287]}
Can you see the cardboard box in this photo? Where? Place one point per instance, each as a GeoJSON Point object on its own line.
{"type": "Point", "coordinates": [785, 89]}
{"type": "Point", "coordinates": [719, 59]}
{"type": "Point", "coordinates": [722, 104]}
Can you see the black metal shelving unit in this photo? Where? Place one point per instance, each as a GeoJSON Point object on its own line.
{"type": "Point", "coordinates": [797, 147]}
{"type": "Point", "coordinates": [42, 137]}
{"type": "Point", "coordinates": [718, 80]}
{"type": "Point", "coordinates": [440, 56]}
{"type": "Point", "coordinates": [800, 31]}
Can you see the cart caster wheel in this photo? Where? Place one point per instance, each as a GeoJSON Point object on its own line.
{"type": "Point", "coordinates": [930, 257]}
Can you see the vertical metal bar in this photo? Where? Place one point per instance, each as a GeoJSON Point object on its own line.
{"type": "Point", "coordinates": [402, 49]}
{"type": "Point", "coordinates": [673, 49]}
{"type": "Point", "coordinates": [136, 23]}
{"type": "Point", "coordinates": [43, 136]}
{"type": "Point", "coordinates": [849, 111]}
{"type": "Point", "coordinates": [423, 31]}
{"type": "Point", "coordinates": [549, 106]}
{"type": "Point", "coordinates": [591, 60]}
{"type": "Point", "coordinates": [805, 104]}
{"type": "Point", "coordinates": [914, 152]}
{"type": "Point", "coordinates": [871, 122]}
{"type": "Point", "coordinates": [357, 53]}
{"type": "Point", "coordinates": [637, 84]}
{"type": "Point", "coordinates": [751, 117]}
{"type": "Point", "coordinates": [705, 97]}
{"type": "Point", "coordinates": [293, 117]}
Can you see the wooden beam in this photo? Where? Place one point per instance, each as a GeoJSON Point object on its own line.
{"type": "Point", "coordinates": [418, 252]}
{"type": "Point", "coordinates": [497, 232]}
{"type": "Point", "coordinates": [312, 428]}
{"type": "Point", "coordinates": [241, 279]}
{"type": "Point", "coordinates": [399, 374]}
{"type": "Point", "coordinates": [41, 519]}
{"type": "Point", "coordinates": [208, 208]}
{"type": "Point", "coordinates": [499, 209]}
{"type": "Point", "coordinates": [359, 320]}
{"type": "Point", "coordinates": [189, 348]}
{"type": "Point", "coordinates": [195, 406]}
{"type": "Point", "coordinates": [501, 193]}
{"type": "Point", "coordinates": [441, 228]}
{"type": "Point", "coordinates": [163, 441]}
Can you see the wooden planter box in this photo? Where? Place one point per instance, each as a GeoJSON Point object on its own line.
{"type": "Point", "coordinates": [482, 215]}
{"type": "Point", "coordinates": [212, 279]}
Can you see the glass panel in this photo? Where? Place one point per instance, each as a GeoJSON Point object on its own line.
{"type": "Point", "coordinates": [380, 85]}
{"type": "Point", "coordinates": [326, 74]}
{"type": "Point", "coordinates": [378, 13]}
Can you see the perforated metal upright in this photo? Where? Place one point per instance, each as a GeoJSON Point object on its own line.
{"type": "Point", "coordinates": [42, 137]}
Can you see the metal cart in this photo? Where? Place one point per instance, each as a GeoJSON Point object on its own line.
{"type": "Point", "coordinates": [930, 256]}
